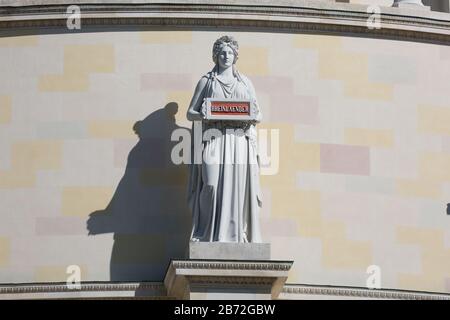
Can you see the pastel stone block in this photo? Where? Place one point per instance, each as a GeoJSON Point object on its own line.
{"type": "Point", "coordinates": [434, 120]}
{"type": "Point", "coordinates": [344, 159]}
{"type": "Point", "coordinates": [5, 109]}
{"type": "Point", "coordinates": [4, 251]}
{"type": "Point", "coordinates": [229, 251]}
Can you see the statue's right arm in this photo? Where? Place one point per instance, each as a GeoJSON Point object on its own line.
{"type": "Point", "coordinates": [193, 113]}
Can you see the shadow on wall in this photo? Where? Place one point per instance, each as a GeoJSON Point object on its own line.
{"type": "Point", "coordinates": [148, 213]}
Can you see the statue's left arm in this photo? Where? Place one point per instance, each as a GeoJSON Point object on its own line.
{"type": "Point", "coordinates": [254, 100]}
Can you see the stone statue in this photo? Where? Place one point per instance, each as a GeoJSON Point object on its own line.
{"type": "Point", "coordinates": [224, 192]}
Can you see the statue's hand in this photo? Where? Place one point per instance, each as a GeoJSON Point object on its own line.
{"type": "Point", "coordinates": [256, 112]}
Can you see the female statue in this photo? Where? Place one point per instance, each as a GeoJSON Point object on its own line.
{"type": "Point", "coordinates": [224, 193]}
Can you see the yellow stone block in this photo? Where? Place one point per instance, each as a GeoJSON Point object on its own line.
{"type": "Point", "coordinates": [340, 252]}
{"type": "Point", "coordinates": [82, 201]}
{"type": "Point", "coordinates": [305, 157]}
{"type": "Point", "coordinates": [435, 166]}
{"type": "Point", "coordinates": [253, 61]}
{"type": "Point", "coordinates": [5, 109]}
{"type": "Point", "coordinates": [183, 99]}
{"type": "Point", "coordinates": [17, 178]}
{"type": "Point", "coordinates": [293, 156]}
{"type": "Point", "coordinates": [421, 282]}
{"type": "Point", "coordinates": [79, 62]}
{"type": "Point", "coordinates": [5, 250]}
{"type": "Point", "coordinates": [343, 66]}
{"type": "Point", "coordinates": [85, 59]}
{"type": "Point", "coordinates": [29, 157]}
{"type": "Point", "coordinates": [432, 238]}
{"type": "Point", "coordinates": [20, 41]}
{"type": "Point", "coordinates": [307, 205]}
{"type": "Point", "coordinates": [435, 259]}
{"type": "Point", "coordinates": [63, 83]}
{"type": "Point", "coordinates": [369, 137]}
{"type": "Point", "coordinates": [58, 274]}
{"type": "Point", "coordinates": [302, 206]}
{"type": "Point", "coordinates": [36, 155]}
{"type": "Point", "coordinates": [351, 68]}
{"type": "Point", "coordinates": [434, 120]}
{"type": "Point", "coordinates": [419, 188]}
{"type": "Point", "coordinates": [164, 37]}
{"type": "Point", "coordinates": [111, 129]}
{"type": "Point", "coordinates": [320, 42]}
{"type": "Point", "coordinates": [363, 89]}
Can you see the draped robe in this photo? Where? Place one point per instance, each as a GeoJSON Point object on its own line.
{"type": "Point", "coordinates": [224, 191]}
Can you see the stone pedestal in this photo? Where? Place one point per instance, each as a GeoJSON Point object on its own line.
{"type": "Point", "coordinates": [229, 251]}
{"type": "Point", "coordinates": [227, 271]}
{"type": "Point", "coordinates": [410, 4]}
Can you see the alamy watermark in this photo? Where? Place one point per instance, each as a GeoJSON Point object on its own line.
{"type": "Point", "coordinates": [374, 20]}
{"type": "Point", "coordinates": [267, 144]}
{"type": "Point", "coordinates": [73, 281]}
{"type": "Point", "coordinates": [74, 17]}
{"type": "Point", "coordinates": [374, 279]}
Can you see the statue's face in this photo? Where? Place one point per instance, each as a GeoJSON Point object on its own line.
{"type": "Point", "coordinates": [225, 58]}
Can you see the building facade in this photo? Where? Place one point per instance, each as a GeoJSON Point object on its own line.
{"type": "Point", "coordinates": [356, 94]}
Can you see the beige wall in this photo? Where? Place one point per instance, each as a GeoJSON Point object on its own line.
{"type": "Point", "coordinates": [364, 154]}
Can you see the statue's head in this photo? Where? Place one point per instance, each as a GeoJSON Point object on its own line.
{"type": "Point", "coordinates": [225, 51]}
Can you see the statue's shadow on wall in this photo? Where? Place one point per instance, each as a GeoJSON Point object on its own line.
{"type": "Point", "coordinates": [148, 212]}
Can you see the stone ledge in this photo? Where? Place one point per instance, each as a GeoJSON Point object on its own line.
{"type": "Point", "coordinates": [87, 290]}
{"type": "Point", "coordinates": [292, 291]}
{"type": "Point", "coordinates": [287, 16]}
{"type": "Point", "coordinates": [156, 290]}
{"type": "Point", "coordinates": [194, 279]}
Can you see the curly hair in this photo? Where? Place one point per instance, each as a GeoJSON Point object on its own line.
{"type": "Point", "coordinates": [225, 41]}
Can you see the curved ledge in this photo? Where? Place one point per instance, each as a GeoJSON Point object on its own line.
{"type": "Point", "coordinates": [156, 290]}
{"type": "Point", "coordinates": [290, 290]}
{"type": "Point", "coordinates": [286, 16]}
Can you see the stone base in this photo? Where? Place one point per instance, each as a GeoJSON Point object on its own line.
{"type": "Point", "coordinates": [221, 270]}
{"type": "Point", "coordinates": [229, 251]}
{"type": "Point", "coordinates": [220, 279]}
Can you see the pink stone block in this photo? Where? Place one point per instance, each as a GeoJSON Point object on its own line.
{"type": "Point", "coordinates": [345, 206]}
{"type": "Point", "coordinates": [369, 209]}
{"type": "Point", "coordinates": [272, 84]}
{"type": "Point", "coordinates": [344, 159]}
{"type": "Point", "coordinates": [445, 53]}
{"type": "Point", "coordinates": [60, 226]}
{"type": "Point", "coordinates": [278, 228]}
{"type": "Point", "coordinates": [294, 109]}
{"type": "Point", "coordinates": [164, 81]}
{"type": "Point", "coordinates": [446, 144]}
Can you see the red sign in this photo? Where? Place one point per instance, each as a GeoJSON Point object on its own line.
{"type": "Point", "coordinates": [230, 108]}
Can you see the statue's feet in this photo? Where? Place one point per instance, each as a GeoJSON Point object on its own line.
{"type": "Point", "coordinates": [195, 239]}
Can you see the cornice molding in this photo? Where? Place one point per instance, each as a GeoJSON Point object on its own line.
{"type": "Point", "coordinates": [289, 290]}
{"type": "Point", "coordinates": [233, 265]}
{"type": "Point", "coordinates": [307, 16]}
{"type": "Point", "coordinates": [158, 290]}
